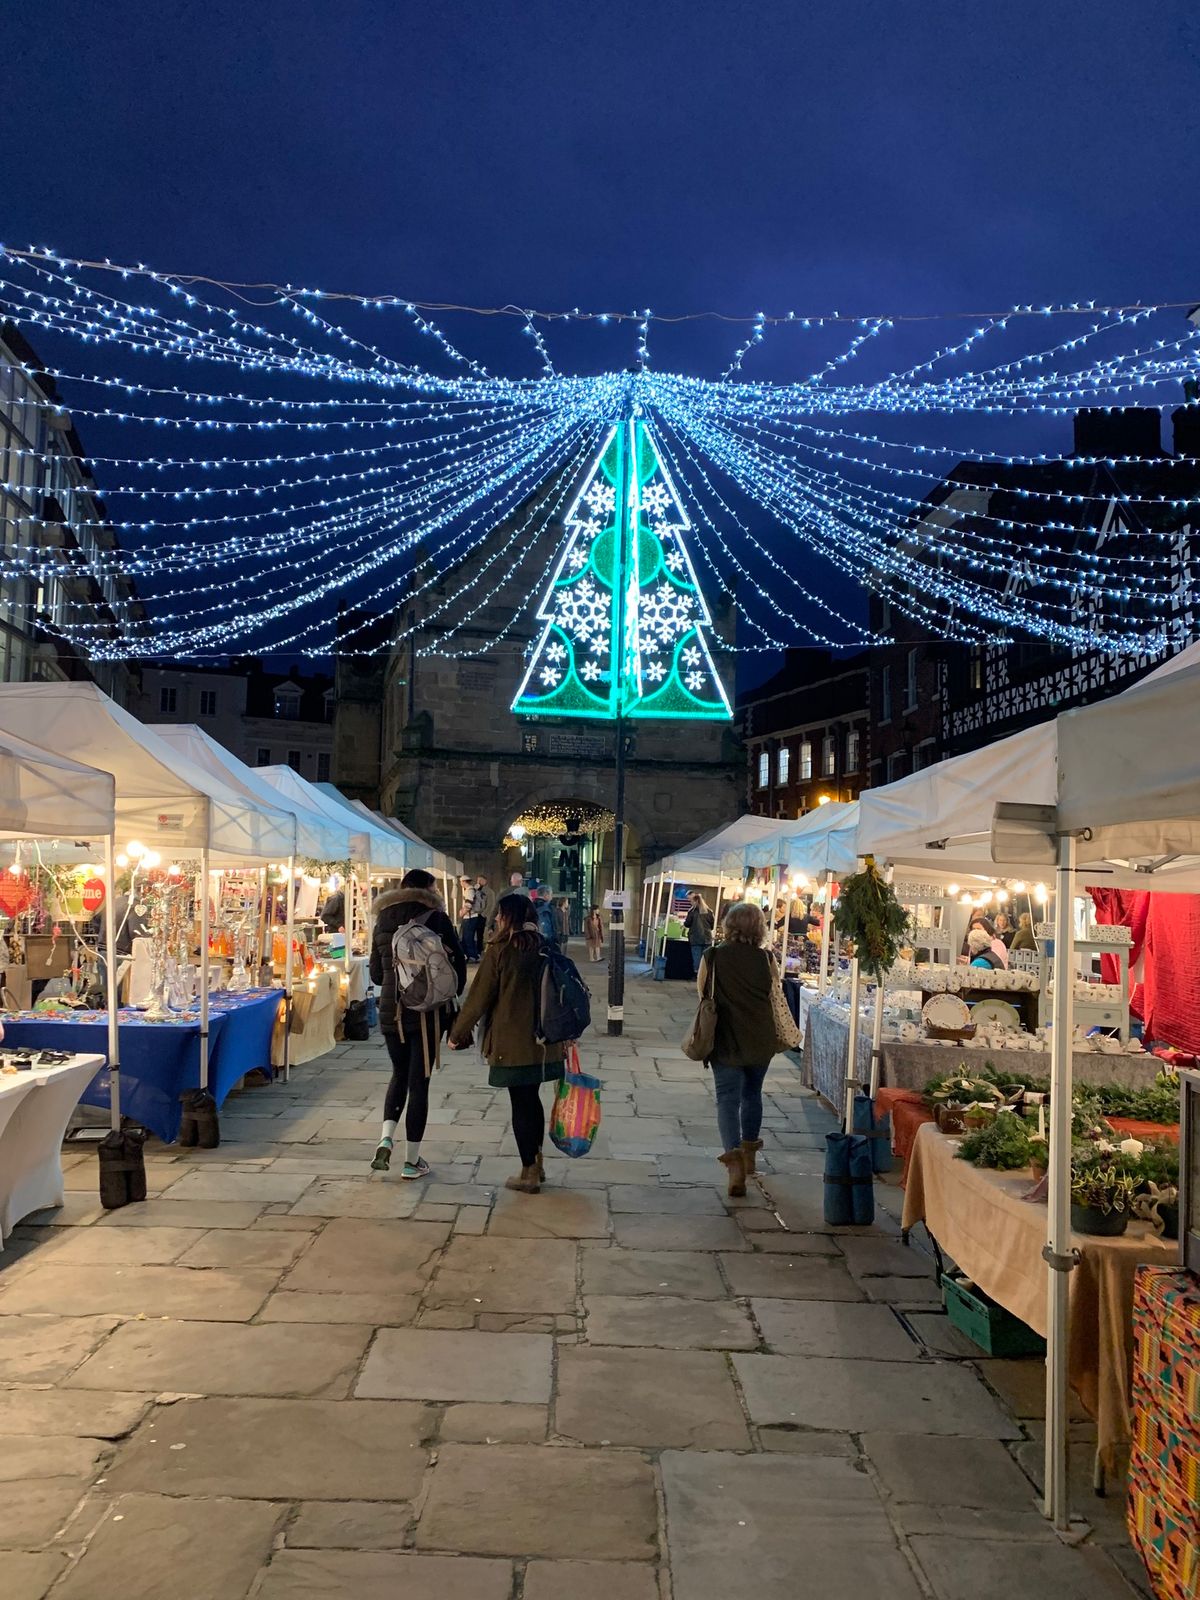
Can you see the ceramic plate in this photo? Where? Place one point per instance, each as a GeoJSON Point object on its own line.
{"type": "Point", "coordinates": [946, 1011]}
{"type": "Point", "coordinates": [996, 1014]}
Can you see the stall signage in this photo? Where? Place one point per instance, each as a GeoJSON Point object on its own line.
{"type": "Point", "coordinates": [16, 894]}
{"type": "Point", "coordinates": [93, 895]}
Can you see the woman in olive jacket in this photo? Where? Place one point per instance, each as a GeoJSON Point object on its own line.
{"type": "Point", "coordinates": [742, 974]}
{"type": "Point", "coordinates": [504, 997]}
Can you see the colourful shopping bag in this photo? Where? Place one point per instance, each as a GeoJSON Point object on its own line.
{"type": "Point", "coordinates": [575, 1118]}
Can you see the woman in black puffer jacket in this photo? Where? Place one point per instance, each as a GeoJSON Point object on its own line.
{"type": "Point", "coordinates": [411, 1036]}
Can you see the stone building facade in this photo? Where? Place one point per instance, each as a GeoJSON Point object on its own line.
{"type": "Point", "coordinates": [459, 767]}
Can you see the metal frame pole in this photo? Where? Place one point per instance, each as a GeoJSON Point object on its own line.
{"type": "Point", "coordinates": [616, 926]}
{"type": "Point", "coordinates": [826, 923]}
{"type": "Point", "coordinates": [204, 933]}
{"type": "Point", "coordinates": [851, 1083]}
{"type": "Point", "coordinates": [111, 985]}
{"type": "Point", "coordinates": [1059, 1252]}
{"type": "Point", "coordinates": [667, 913]}
{"type": "Point", "coordinates": [288, 976]}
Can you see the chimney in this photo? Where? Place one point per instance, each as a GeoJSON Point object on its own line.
{"type": "Point", "coordinates": [1118, 431]}
{"type": "Point", "coordinates": [1185, 423]}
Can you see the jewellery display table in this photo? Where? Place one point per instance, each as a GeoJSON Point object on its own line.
{"type": "Point", "coordinates": [35, 1108]}
{"type": "Point", "coordinates": [979, 1218]}
{"type": "Point", "coordinates": [161, 1060]}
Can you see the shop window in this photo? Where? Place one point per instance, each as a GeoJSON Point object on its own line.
{"type": "Point", "coordinates": [167, 702]}
{"type": "Point", "coordinates": [783, 764]}
{"type": "Point", "coordinates": [208, 702]}
{"type": "Point", "coordinates": [853, 742]}
{"type": "Point", "coordinates": [764, 769]}
{"type": "Point", "coordinates": [806, 761]}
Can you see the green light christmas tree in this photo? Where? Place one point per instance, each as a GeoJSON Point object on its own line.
{"type": "Point", "coordinates": [624, 570]}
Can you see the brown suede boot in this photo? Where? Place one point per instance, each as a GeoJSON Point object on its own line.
{"type": "Point", "coordinates": [541, 1166]}
{"type": "Point", "coordinates": [735, 1164]}
{"type": "Point", "coordinates": [527, 1181]}
{"type": "Point", "coordinates": [750, 1149]}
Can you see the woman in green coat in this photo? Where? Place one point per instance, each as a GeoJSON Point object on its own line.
{"type": "Point", "coordinates": [742, 974]}
{"type": "Point", "coordinates": [504, 997]}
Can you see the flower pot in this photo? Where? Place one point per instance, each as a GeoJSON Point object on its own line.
{"type": "Point", "coordinates": [1039, 1165]}
{"type": "Point", "coordinates": [1090, 1219]}
{"type": "Point", "coordinates": [949, 1119]}
{"type": "Point", "coordinates": [1170, 1221]}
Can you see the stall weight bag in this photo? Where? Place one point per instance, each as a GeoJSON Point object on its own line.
{"type": "Point", "coordinates": [122, 1168]}
{"type": "Point", "coordinates": [878, 1129]}
{"type": "Point", "coordinates": [198, 1122]}
{"type": "Point", "coordinates": [849, 1180]}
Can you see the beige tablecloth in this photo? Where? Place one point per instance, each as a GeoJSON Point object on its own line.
{"type": "Point", "coordinates": [979, 1218]}
{"type": "Point", "coordinates": [316, 1011]}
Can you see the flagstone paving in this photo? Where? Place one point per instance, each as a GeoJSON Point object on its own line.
{"type": "Point", "coordinates": [285, 1375]}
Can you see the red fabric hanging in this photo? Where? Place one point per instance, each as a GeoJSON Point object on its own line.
{"type": "Point", "coordinates": [1166, 944]}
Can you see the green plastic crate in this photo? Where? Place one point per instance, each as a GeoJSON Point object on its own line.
{"type": "Point", "coordinates": [996, 1331]}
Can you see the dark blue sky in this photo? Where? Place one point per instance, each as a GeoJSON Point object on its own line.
{"type": "Point", "coordinates": [873, 156]}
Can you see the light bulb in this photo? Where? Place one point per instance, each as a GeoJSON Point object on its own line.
{"type": "Point", "coordinates": [135, 848]}
{"type": "Point", "coordinates": [122, 860]}
{"type": "Point", "coordinates": [1019, 886]}
{"type": "Point", "coordinates": [151, 859]}
{"type": "Point", "coordinates": [951, 888]}
{"type": "Point", "coordinates": [1001, 896]}
{"type": "Point", "coordinates": [1040, 892]}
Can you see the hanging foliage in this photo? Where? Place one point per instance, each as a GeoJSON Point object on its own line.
{"type": "Point", "coordinates": [869, 915]}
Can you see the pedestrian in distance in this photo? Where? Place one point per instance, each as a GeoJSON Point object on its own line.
{"type": "Point", "coordinates": [738, 974]}
{"type": "Point", "coordinates": [504, 997]}
{"type": "Point", "coordinates": [546, 913]}
{"type": "Point", "coordinates": [698, 926]}
{"type": "Point", "coordinates": [466, 926]}
{"type": "Point", "coordinates": [484, 907]}
{"type": "Point", "coordinates": [593, 933]}
{"type": "Point", "coordinates": [435, 959]}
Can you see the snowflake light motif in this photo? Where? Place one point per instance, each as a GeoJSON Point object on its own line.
{"type": "Point", "coordinates": [599, 645]}
{"type": "Point", "coordinates": [556, 652]}
{"type": "Point", "coordinates": [590, 671]}
{"type": "Point", "coordinates": [674, 561]}
{"type": "Point", "coordinates": [656, 672]}
{"type": "Point", "coordinates": [655, 499]}
{"type": "Point", "coordinates": [550, 676]}
{"type": "Point", "coordinates": [580, 609]}
{"type": "Point", "coordinates": [694, 680]}
{"type": "Point", "coordinates": [665, 614]}
{"type": "Point", "coordinates": [590, 526]}
{"type": "Point", "coordinates": [601, 497]}
{"type": "Point", "coordinates": [578, 557]}
{"type": "Point", "coordinates": [692, 656]}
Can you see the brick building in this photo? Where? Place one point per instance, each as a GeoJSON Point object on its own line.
{"type": "Point", "coordinates": [806, 733]}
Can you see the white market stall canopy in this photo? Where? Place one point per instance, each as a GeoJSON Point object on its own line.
{"type": "Point", "coordinates": [420, 854]}
{"type": "Point", "coordinates": [1129, 770]}
{"type": "Point", "coordinates": [369, 843]}
{"type": "Point", "coordinates": [45, 796]}
{"type": "Point", "coordinates": [163, 800]}
{"type": "Point", "coordinates": [825, 840]}
{"type": "Point", "coordinates": [314, 836]}
{"type": "Point", "coordinates": [701, 861]}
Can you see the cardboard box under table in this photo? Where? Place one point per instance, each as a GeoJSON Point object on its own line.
{"type": "Point", "coordinates": [980, 1219]}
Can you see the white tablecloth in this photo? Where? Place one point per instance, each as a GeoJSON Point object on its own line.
{"type": "Point", "coordinates": [316, 1009]}
{"type": "Point", "coordinates": [35, 1108]}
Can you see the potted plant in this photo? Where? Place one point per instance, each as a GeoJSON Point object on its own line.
{"type": "Point", "coordinates": [1101, 1198]}
{"type": "Point", "coordinates": [1039, 1154]}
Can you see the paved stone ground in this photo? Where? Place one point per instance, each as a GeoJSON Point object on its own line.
{"type": "Point", "coordinates": [285, 1376]}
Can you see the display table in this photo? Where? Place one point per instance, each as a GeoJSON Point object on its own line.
{"type": "Point", "coordinates": [35, 1108]}
{"type": "Point", "coordinates": [360, 978]}
{"type": "Point", "coordinates": [980, 1220]}
{"type": "Point", "coordinates": [316, 1011]}
{"type": "Point", "coordinates": [911, 1066]}
{"type": "Point", "coordinates": [677, 961]}
{"type": "Point", "coordinates": [160, 1060]}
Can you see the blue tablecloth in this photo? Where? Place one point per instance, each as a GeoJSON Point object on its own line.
{"type": "Point", "coordinates": [161, 1060]}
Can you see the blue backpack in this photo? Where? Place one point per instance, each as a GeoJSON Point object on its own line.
{"type": "Point", "coordinates": [564, 1008]}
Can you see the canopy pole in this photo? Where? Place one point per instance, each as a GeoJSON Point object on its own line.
{"type": "Point", "coordinates": [348, 918]}
{"type": "Point", "coordinates": [877, 1038]}
{"type": "Point", "coordinates": [667, 916]}
{"type": "Point", "coordinates": [646, 883]}
{"type": "Point", "coordinates": [851, 1083]}
{"type": "Point", "coordinates": [717, 907]}
{"type": "Point", "coordinates": [204, 929]}
{"type": "Point", "coordinates": [369, 915]}
{"type": "Point", "coordinates": [111, 985]}
{"type": "Point", "coordinates": [1059, 1252]}
{"type": "Point", "coordinates": [287, 969]}
{"type": "Point", "coordinates": [826, 920]}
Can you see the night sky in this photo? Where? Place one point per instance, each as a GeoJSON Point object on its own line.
{"type": "Point", "coordinates": [881, 157]}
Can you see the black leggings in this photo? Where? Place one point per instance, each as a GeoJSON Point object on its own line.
{"type": "Point", "coordinates": [528, 1120]}
{"type": "Point", "coordinates": [409, 1083]}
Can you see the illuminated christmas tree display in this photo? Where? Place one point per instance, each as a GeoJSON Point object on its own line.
{"type": "Point", "coordinates": [624, 596]}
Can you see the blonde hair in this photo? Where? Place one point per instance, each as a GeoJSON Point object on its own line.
{"type": "Point", "coordinates": [1026, 919]}
{"type": "Point", "coordinates": [744, 923]}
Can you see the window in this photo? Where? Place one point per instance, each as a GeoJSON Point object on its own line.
{"type": "Point", "coordinates": [323, 767]}
{"type": "Point", "coordinates": [806, 760]}
{"type": "Point", "coordinates": [330, 705]}
{"type": "Point", "coordinates": [976, 675]}
{"type": "Point", "coordinates": [783, 764]}
{"type": "Point", "coordinates": [764, 769]}
{"type": "Point", "coordinates": [924, 755]}
{"type": "Point", "coordinates": [167, 702]}
{"type": "Point", "coordinates": [287, 702]}
{"type": "Point", "coordinates": [896, 764]}
{"type": "Point", "coordinates": [853, 741]}
{"type": "Point", "coordinates": [208, 702]}
{"type": "Point", "coordinates": [910, 682]}
{"type": "Point", "coordinates": [885, 695]}
{"type": "Point", "coordinates": [263, 758]}
{"type": "Point", "coordinates": [828, 756]}
{"type": "Point", "coordinates": [293, 760]}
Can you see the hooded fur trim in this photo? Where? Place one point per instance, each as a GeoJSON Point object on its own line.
{"type": "Point", "coordinates": [427, 898]}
